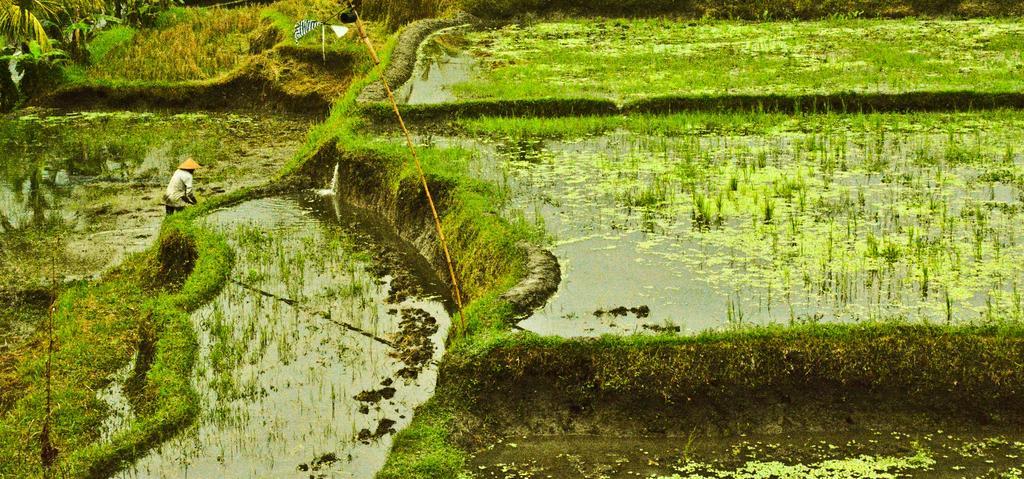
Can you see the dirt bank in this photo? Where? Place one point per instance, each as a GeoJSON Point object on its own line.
{"type": "Point", "coordinates": [285, 79]}
{"type": "Point", "coordinates": [541, 281]}
{"type": "Point", "coordinates": [369, 180]}
{"type": "Point", "coordinates": [900, 376]}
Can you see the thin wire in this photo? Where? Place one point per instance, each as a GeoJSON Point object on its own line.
{"type": "Point", "coordinates": [419, 168]}
{"type": "Point", "coordinates": [47, 452]}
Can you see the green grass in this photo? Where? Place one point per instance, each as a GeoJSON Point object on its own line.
{"type": "Point", "coordinates": [626, 60]}
{"type": "Point", "coordinates": [107, 40]}
{"type": "Point", "coordinates": [748, 10]}
{"type": "Point", "coordinates": [97, 332]}
{"type": "Point", "coordinates": [425, 449]}
{"type": "Point", "coordinates": [728, 124]}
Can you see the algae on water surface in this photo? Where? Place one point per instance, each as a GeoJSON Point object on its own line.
{"type": "Point", "coordinates": [867, 454]}
{"type": "Point", "coordinates": [689, 232]}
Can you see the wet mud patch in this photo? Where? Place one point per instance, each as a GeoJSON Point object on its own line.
{"type": "Point", "coordinates": [622, 311]}
{"type": "Point", "coordinates": [375, 396]}
{"type": "Point", "coordinates": [413, 344]}
{"type": "Point", "coordinates": [293, 363]}
{"type": "Point", "coordinates": [322, 463]}
{"type": "Point", "coordinates": [384, 428]}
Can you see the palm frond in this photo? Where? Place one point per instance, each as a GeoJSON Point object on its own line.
{"type": "Point", "coordinates": [19, 24]}
{"type": "Point", "coordinates": [23, 20]}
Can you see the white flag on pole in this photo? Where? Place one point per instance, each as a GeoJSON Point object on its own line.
{"type": "Point", "coordinates": [339, 30]}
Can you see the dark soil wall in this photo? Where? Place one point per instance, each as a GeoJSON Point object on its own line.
{"type": "Point", "coordinates": [381, 113]}
{"type": "Point", "coordinates": [748, 383]}
{"type": "Point", "coordinates": [287, 79]}
{"type": "Point", "coordinates": [367, 180]}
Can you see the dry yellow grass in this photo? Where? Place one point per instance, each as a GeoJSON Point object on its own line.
{"type": "Point", "coordinates": [189, 44]}
{"type": "Point", "coordinates": [399, 12]}
{"type": "Point", "coordinates": [393, 13]}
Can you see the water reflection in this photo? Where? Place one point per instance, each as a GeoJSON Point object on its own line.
{"type": "Point", "coordinates": [441, 64]}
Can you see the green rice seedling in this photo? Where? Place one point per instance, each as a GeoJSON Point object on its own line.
{"type": "Point", "coordinates": [734, 313]}
{"type": "Point", "coordinates": [767, 209]}
{"type": "Point", "coordinates": [703, 214]}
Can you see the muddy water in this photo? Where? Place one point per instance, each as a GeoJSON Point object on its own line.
{"type": "Point", "coordinates": [309, 360]}
{"type": "Point", "coordinates": [441, 63]}
{"type": "Point", "coordinates": [869, 454]}
{"type": "Point", "coordinates": [95, 179]}
{"type": "Point", "coordinates": [861, 227]}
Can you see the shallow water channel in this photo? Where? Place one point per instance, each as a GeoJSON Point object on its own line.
{"type": "Point", "coordinates": [312, 357]}
{"type": "Point", "coordinates": [694, 232]}
{"type": "Point", "coordinates": [441, 63]}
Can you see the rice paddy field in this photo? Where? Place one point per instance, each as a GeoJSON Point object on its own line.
{"type": "Point", "coordinates": [298, 341]}
{"type": "Point", "coordinates": [628, 60]}
{"type": "Point", "coordinates": [660, 275]}
{"type": "Point", "coordinates": [687, 224]}
{"type": "Point", "coordinates": [712, 220]}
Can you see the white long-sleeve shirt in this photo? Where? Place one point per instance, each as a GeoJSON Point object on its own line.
{"type": "Point", "coordinates": [179, 188]}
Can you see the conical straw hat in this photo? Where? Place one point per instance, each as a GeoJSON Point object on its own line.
{"type": "Point", "coordinates": [189, 164]}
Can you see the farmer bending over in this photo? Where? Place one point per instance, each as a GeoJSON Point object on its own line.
{"type": "Point", "coordinates": [179, 190]}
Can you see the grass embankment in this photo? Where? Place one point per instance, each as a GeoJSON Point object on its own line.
{"type": "Point", "coordinates": [730, 124]}
{"type": "Point", "coordinates": [98, 328]}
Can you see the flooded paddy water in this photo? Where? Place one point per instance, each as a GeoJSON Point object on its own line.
{"type": "Point", "coordinates": [80, 191]}
{"type": "Point", "coordinates": [441, 63]}
{"type": "Point", "coordinates": [95, 179]}
{"type": "Point", "coordinates": [315, 353]}
{"type": "Point", "coordinates": [689, 232]}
